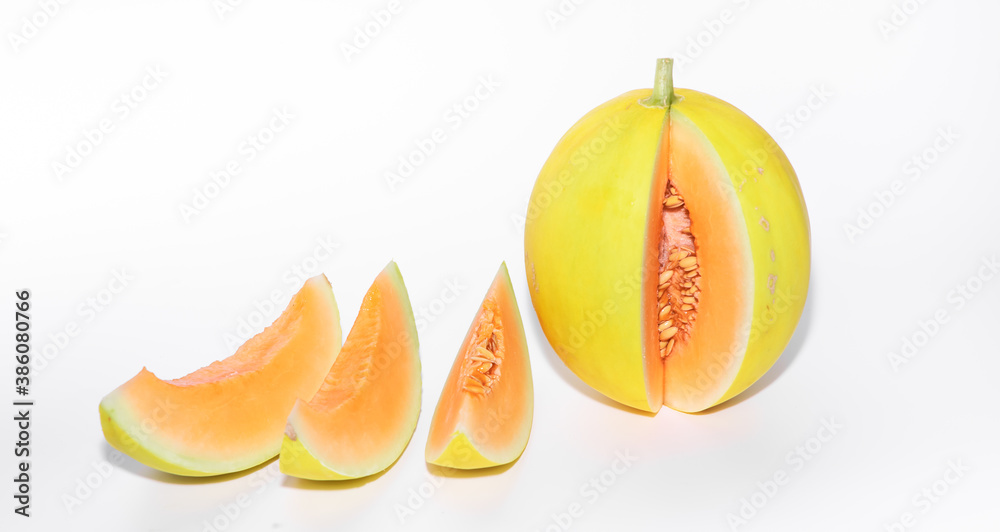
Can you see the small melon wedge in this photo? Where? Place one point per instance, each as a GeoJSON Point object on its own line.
{"type": "Point", "coordinates": [364, 414]}
{"type": "Point", "coordinates": [230, 415]}
{"type": "Point", "coordinates": [483, 417]}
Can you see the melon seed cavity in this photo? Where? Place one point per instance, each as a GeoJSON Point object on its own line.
{"type": "Point", "coordinates": [481, 369]}
{"type": "Point", "coordinates": [677, 290]}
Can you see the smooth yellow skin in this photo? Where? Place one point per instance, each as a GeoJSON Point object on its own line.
{"type": "Point", "coordinates": [462, 454]}
{"type": "Point", "coordinates": [584, 244]}
{"type": "Point", "coordinates": [121, 440]}
{"type": "Point", "coordinates": [297, 461]}
{"type": "Point", "coordinates": [585, 238]}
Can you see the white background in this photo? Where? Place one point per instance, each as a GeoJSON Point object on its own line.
{"type": "Point", "coordinates": [887, 93]}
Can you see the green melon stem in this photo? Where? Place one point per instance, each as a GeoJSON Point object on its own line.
{"type": "Point", "coordinates": [663, 84]}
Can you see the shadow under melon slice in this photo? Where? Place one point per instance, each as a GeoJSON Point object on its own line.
{"type": "Point", "coordinates": [483, 417]}
{"type": "Point", "coordinates": [230, 415]}
{"type": "Point", "coordinates": [364, 414]}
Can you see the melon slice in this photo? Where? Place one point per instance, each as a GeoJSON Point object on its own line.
{"type": "Point", "coordinates": [483, 417]}
{"type": "Point", "coordinates": [229, 415]}
{"type": "Point", "coordinates": [362, 417]}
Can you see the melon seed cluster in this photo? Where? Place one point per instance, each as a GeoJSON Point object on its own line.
{"type": "Point", "coordinates": [482, 365]}
{"type": "Point", "coordinates": [677, 287]}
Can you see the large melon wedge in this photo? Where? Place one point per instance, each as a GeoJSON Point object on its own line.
{"type": "Point", "coordinates": [229, 415]}
{"type": "Point", "coordinates": [362, 418]}
{"type": "Point", "coordinates": [483, 417]}
{"type": "Point", "coordinates": [667, 249]}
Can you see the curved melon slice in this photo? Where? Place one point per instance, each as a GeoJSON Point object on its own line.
{"type": "Point", "coordinates": [229, 415]}
{"type": "Point", "coordinates": [483, 417]}
{"type": "Point", "coordinates": [362, 418]}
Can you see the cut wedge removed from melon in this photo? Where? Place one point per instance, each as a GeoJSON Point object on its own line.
{"type": "Point", "coordinates": [362, 417]}
{"type": "Point", "coordinates": [483, 417]}
{"type": "Point", "coordinates": [229, 415]}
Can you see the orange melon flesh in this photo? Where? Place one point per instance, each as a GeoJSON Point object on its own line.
{"type": "Point", "coordinates": [477, 425]}
{"type": "Point", "coordinates": [229, 415]}
{"type": "Point", "coordinates": [702, 363]}
{"type": "Point", "coordinates": [364, 414]}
